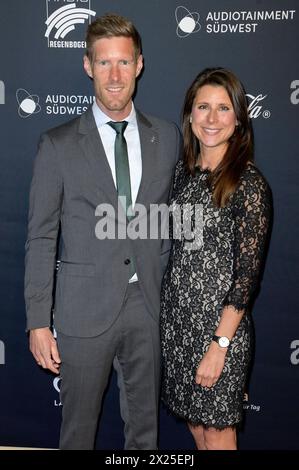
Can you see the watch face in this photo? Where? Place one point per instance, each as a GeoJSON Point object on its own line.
{"type": "Point", "coordinates": [223, 341]}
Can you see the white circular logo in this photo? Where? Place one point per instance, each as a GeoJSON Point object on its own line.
{"type": "Point", "coordinates": [28, 104]}
{"type": "Point", "coordinates": [187, 22]}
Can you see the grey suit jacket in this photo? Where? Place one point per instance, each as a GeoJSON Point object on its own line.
{"type": "Point", "coordinates": [71, 178]}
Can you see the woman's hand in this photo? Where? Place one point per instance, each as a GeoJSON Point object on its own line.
{"type": "Point", "coordinates": [211, 366]}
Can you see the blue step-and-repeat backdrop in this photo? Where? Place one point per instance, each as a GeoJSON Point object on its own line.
{"type": "Point", "coordinates": [43, 84]}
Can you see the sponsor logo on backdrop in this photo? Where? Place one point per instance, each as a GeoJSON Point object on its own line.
{"type": "Point", "coordinates": [187, 22]}
{"type": "Point", "coordinates": [28, 104]}
{"type": "Point", "coordinates": [295, 94]}
{"type": "Point", "coordinates": [71, 105]}
{"type": "Point", "coordinates": [294, 357]}
{"type": "Point", "coordinates": [227, 22]}
{"type": "Point", "coordinates": [2, 353]}
{"type": "Point", "coordinates": [256, 104]}
{"type": "Point", "coordinates": [57, 104]}
{"type": "Point", "coordinates": [247, 406]}
{"type": "Point", "coordinates": [2, 92]}
{"type": "Point", "coordinates": [64, 18]}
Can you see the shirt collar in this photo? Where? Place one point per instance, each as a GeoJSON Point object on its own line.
{"type": "Point", "coordinates": [101, 118]}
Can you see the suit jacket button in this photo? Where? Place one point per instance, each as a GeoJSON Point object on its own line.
{"type": "Point", "coordinates": [127, 261]}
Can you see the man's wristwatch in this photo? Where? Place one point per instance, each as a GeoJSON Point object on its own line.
{"type": "Point", "coordinates": [223, 341]}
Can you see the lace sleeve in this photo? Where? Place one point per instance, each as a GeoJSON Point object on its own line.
{"type": "Point", "coordinates": [177, 175]}
{"type": "Point", "coordinates": [252, 211]}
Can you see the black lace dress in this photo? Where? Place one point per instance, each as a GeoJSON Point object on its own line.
{"type": "Point", "coordinates": [196, 286]}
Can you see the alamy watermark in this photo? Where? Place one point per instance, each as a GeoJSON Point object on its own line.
{"type": "Point", "coordinates": [159, 221]}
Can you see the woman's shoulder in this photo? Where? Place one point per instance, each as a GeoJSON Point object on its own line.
{"type": "Point", "coordinates": [252, 186]}
{"type": "Point", "coordinates": [252, 176]}
{"type": "Point", "coordinates": [179, 168]}
{"type": "Point", "coordinates": [179, 165]}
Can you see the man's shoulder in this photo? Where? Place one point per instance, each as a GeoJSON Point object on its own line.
{"type": "Point", "coordinates": [70, 127]}
{"type": "Point", "coordinates": [155, 121]}
{"type": "Point", "coordinates": [63, 128]}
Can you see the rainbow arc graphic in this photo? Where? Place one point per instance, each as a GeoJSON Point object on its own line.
{"type": "Point", "coordinates": [65, 18]}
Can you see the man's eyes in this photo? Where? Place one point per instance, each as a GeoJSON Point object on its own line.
{"type": "Point", "coordinates": [107, 63]}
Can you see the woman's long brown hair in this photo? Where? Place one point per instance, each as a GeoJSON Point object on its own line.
{"type": "Point", "coordinates": [225, 178]}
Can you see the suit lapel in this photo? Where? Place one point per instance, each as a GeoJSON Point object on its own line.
{"type": "Point", "coordinates": [95, 156]}
{"type": "Point", "coordinates": [149, 141]}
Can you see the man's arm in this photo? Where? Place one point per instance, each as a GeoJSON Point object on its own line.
{"type": "Point", "coordinates": [43, 225]}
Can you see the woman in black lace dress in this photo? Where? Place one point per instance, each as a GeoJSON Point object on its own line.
{"type": "Point", "coordinates": [208, 284]}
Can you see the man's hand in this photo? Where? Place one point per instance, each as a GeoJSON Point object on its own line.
{"type": "Point", "coordinates": [44, 349]}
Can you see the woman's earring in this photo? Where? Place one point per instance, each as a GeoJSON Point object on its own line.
{"type": "Point", "coordinates": [190, 119]}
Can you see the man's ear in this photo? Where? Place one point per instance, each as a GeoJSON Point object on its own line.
{"type": "Point", "coordinates": [87, 66]}
{"type": "Point", "coordinates": [139, 65]}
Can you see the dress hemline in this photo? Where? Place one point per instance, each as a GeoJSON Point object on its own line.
{"type": "Point", "coordinates": [199, 422]}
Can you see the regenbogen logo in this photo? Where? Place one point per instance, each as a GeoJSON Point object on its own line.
{"type": "Point", "coordinates": [63, 21]}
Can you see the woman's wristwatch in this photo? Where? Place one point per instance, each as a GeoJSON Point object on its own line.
{"type": "Point", "coordinates": [223, 341]}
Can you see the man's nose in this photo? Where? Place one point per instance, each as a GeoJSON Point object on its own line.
{"type": "Point", "coordinates": [115, 73]}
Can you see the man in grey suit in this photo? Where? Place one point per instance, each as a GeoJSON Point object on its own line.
{"type": "Point", "coordinates": [107, 296]}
